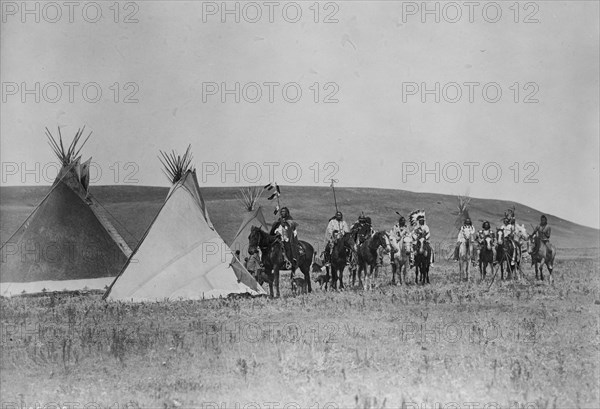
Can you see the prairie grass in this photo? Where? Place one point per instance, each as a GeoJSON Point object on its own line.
{"type": "Point", "coordinates": [516, 344]}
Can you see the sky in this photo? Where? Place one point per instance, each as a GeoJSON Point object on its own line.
{"type": "Point", "coordinates": [496, 100]}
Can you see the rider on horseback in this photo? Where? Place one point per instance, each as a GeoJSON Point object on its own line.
{"type": "Point", "coordinates": [465, 235]}
{"type": "Point", "coordinates": [362, 229]}
{"type": "Point", "coordinates": [400, 231]}
{"type": "Point", "coordinates": [543, 230]}
{"type": "Point", "coordinates": [336, 228]}
{"type": "Point", "coordinates": [285, 228]}
{"type": "Point", "coordinates": [508, 231]}
{"type": "Point", "coordinates": [420, 231]}
{"type": "Point", "coordinates": [485, 233]}
{"type": "Point", "coordinates": [507, 228]}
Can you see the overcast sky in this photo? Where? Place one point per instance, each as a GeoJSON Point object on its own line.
{"type": "Point", "coordinates": [362, 116]}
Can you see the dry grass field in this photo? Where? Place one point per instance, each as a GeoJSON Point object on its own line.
{"type": "Point", "coordinates": [510, 344]}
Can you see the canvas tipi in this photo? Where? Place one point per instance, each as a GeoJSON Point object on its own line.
{"type": "Point", "coordinates": [181, 255]}
{"type": "Point", "coordinates": [253, 217]}
{"type": "Point", "coordinates": [67, 243]}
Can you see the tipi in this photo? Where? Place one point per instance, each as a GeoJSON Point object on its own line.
{"type": "Point", "coordinates": [67, 243]}
{"type": "Point", "coordinates": [181, 255]}
{"type": "Point", "coordinates": [254, 217]}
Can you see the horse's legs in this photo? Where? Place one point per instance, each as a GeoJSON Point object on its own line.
{"type": "Point", "coordinates": [416, 272]}
{"type": "Point", "coordinates": [394, 268]}
{"type": "Point", "coordinates": [307, 285]}
{"type": "Point", "coordinates": [269, 274]}
{"type": "Point", "coordinates": [342, 277]}
{"type": "Point", "coordinates": [276, 281]}
{"type": "Point", "coordinates": [333, 277]}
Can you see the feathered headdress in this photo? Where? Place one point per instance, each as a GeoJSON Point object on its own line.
{"type": "Point", "coordinates": [415, 216]}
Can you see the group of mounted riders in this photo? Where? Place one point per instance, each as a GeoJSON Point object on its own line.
{"type": "Point", "coordinates": [361, 247]}
{"type": "Point", "coordinates": [504, 246]}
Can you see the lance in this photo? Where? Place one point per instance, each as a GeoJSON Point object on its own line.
{"type": "Point", "coordinates": [333, 181]}
{"type": "Point", "coordinates": [276, 194]}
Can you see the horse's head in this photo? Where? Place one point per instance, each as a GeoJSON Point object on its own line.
{"type": "Point", "coordinates": [407, 243]}
{"type": "Point", "coordinates": [534, 243]}
{"type": "Point", "coordinates": [488, 242]}
{"type": "Point", "coordinates": [421, 245]}
{"type": "Point", "coordinates": [254, 237]}
{"type": "Point", "coordinates": [349, 242]}
{"type": "Point", "coordinates": [381, 239]}
{"type": "Point", "coordinates": [499, 236]}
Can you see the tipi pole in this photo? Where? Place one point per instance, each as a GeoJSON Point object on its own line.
{"type": "Point", "coordinates": [334, 198]}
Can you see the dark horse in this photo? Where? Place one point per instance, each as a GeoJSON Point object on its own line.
{"type": "Point", "coordinates": [273, 260]}
{"type": "Point", "coordinates": [509, 253]}
{"type": "Point", "coordinates": [422, 260]}
{"type": "Point", "coordinates": [367, 256]}
{"type": "Point", "coordinates": [486, 256]}
{"type": "Point", "coordinates": [542, 253]}
{"type": "Point", "coordinates": [340, 257]}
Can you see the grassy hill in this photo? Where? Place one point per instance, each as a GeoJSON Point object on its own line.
{"type": "Point", "coordinates": [134, 208]}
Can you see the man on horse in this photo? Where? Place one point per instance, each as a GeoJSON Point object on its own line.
{"type": "Point", "coordinates": [543, 230]}
{"type": "Point", "coordinates": [421, 230]}
{"type": "Point", "coordinates": [507, 228]}
{"type": "Point", "coordinates": [508, 231]}
{"type": "Point", "coordinates": [542, 251]}
{"type": "Point", "coordinates": [484, 233]}
{"type": "Point", "coordinates": [336, 228]}
{"type": "Point", "coordinates": [285, 228]}
{"type": "Point", "coordinates": [362, 229]}
{"type": "Point", "coordinates": [465, 235]}
{"type": "Point", "coordinates": [400, 230]}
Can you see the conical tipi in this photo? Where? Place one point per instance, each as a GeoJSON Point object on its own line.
{"type": "Point", "coordinates": [67, 243]}
{"type": "Point", "coordinates": [253, 218]}
{"type": "Point", "coordinates": [181, 256]}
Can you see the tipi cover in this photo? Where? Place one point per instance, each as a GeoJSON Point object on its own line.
{"type": "Point", "coordinates": [181, 255]}
{"type": "Point", "coordinates": [66, 244]}
{"type": "Point", "coordinates": [253, 218]}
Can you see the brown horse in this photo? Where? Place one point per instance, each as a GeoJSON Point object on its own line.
{"type": "Point", "coordinates": [486, 256]}
{"type": "Point", "coordinates": [541, 253]}
{"type": "Point", "coordinates": [507, 252]}
{"type": "Point", "coordinates": [273, 260]}
{"type": "Point", "coordinates": [340, 257]}
{"type": "Point", "coordinates": [367, 257]}
{"type": "Point", "coordinates": [423, 256]}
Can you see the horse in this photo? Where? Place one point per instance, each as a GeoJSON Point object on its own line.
{"type": "Point", "coordinates": [502, 254]}
{"type": "Point", "coordinates": [400, 258]}
{"type": "Point", "coordinates": [541, 253]}
{"type": "Point", "coordinates": [339, 258]}
{"type": "Point", "coordinates": [367, 256]}
{"type": "Point", "coordinates": [465, 255]}
{"type": "Point", "coordinates": [422, 260]}
{"type": "Point", "coordinates": [273, 260]}
{"type": "Point", "coordinates": [486, 256]}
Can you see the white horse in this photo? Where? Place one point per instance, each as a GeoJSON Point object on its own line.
{"type": "Point", "coordinates": [401, 258]}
